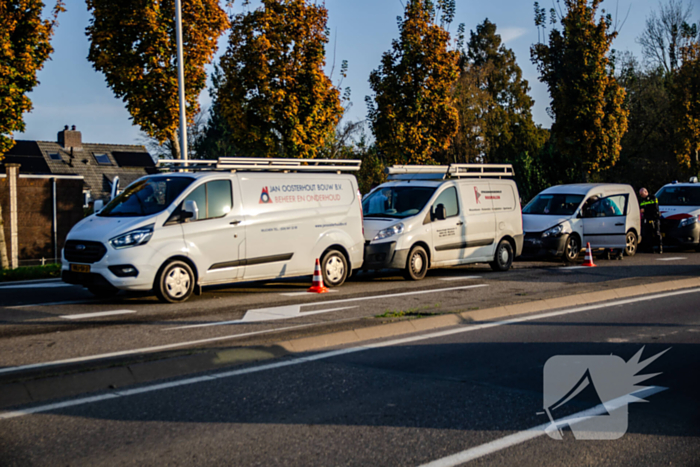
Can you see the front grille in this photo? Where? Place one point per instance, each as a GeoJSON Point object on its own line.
{"type": "Point", "coordinates": [668, 224]}
{"type": "Point", "coordinates": [533, 235]}
{"type": "Point", "coordinates": [91, 253]}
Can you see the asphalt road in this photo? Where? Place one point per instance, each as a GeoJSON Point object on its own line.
{"type": "Point", "coordinates": [469, 390]}
{"type": "Point", "coordinates": [46, 323]}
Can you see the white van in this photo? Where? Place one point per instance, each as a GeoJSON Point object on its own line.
{"type": "Point", "coordinates": [246, 220]}
{"type": "Point", "coordinates": [438, 216]}
{"type": "Point", "coordinates": [562, 219]}
{"type": "Point", "coordinates": [679, 206]}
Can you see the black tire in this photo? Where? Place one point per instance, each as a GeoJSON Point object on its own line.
{"type": "Point", "coordinates": [631, 244]}
{"type": "Point", "coordinates": [503, 258]}
{"type": "Point", "coordinates": [334, 268]}
{"type": "Point", "coordinates": [103, 291]}
{"type": "Point", "coordinates": [572, 249]}
{"type": "Point", "coordinates": [416, 264]}
{"type": "Point", "coordinates": [175, 282]}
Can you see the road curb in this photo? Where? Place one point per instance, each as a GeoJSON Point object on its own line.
{"type": "Point", "coordinates": [50, 280]}
{"type": "Point", "coordinates": [60, 386]}
{"type": "Point", "coordinates": [312, 343]}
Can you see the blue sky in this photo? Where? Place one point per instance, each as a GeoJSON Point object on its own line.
{"type": "Point", "coordinates": [71, 92]}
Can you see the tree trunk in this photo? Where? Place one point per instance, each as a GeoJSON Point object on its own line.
{"type": "Point", "coordinates": [3, 246]}
{"type": "Point", "coordinates": [175, 147]}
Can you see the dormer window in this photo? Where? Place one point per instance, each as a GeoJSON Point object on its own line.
{"type": "Point", "coordinates": [54, 156]}
{"type": "Point", "coordinates": [103, 159]}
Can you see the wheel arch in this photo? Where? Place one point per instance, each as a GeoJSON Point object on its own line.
{"type": "Point", "coordinates": [425, 246]}
{"type": "Point", "coordinates": [343, 250]}
{"type": "Point", "coordinates": [182, 258]}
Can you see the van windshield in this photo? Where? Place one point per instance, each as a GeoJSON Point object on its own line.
{"type": "Point", "coordinates": [553, 205]}
{"type": "Point", "coordinates": [679, 196]}
{"type": "Point", "coordinates": [145, 197]}
{"type": "Point", "coordinates": [397, 202]}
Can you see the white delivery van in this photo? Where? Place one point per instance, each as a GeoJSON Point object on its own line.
{"type": "Point", "coordinates": [438, 216]}
{"type": "Point", "coordinates": [561, 220]}
{"type": "Point", "coordinates": [238, 220]}
{"type": "Point", "coordinates": [679, 206]}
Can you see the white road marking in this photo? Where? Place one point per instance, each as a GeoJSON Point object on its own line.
{"type": "Point", "coordinates": [14, 369]}
{"type": "Point", "coordinates": [68, 302]}
{"type": "Point", "coordinates": [98, 314]}
{"type": "Point", "coordinates": [459, 278]}
{"type": "Point", "coordinates": [256, 316]}
{"type": "Point", "coordinates": [539, 430]}
{"type": "Point", "coordinates": [676, 258]}
{"type": "Point", "coordinates": [294, 311]}
{"type": "Point", "coordinates": [298, 294]}
{"type": "Point", "coordinates": [310, 358]}
{"type": "Point", "coordinates": [44, 285]}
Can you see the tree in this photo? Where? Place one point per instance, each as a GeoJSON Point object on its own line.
{"type": "Point", "coordinates": [133, 43]}
{"type": "Point", "coordinates": [686, 105]}
{"type": "Point", "coordinates": [24, 48]}
{"type": "Point", "coordinates": [274, 95]}
{"type": "Point", "coordinates": [667, 33]}
{"type": "Point", "coordinates": [587, 102]}
{"type": "Point", "coordinates": [493, 101]}
{"type": "Point", "coordinates": [215, 139]}
{"type": "Point", "coordinates": [412, 113]}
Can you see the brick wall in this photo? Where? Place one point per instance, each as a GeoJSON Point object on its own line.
{"type": "Point", "coordinates": [35, 214]}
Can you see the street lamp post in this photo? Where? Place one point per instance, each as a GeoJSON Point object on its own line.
{"type": "Point", "coordinates": [181, 80]}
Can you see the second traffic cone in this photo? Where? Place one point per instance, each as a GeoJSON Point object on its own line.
{"type": "Point", "coordinates": [589, 257]}
{"type": "Point", "coordinates": [317, 286]}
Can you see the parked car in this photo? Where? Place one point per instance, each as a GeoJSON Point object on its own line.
{"type": "Point", "coordinates": [176, 232]}
{"type": "Point", "coordinates": [561, 220]}
{"type": "Point", "coordinates": [679, 206]}
{"type": "Point", "coordinates": [439, 216]}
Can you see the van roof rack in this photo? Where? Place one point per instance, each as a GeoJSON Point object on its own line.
{"type": "Point", "coordinates": [442, 172]}
{"type": "Point", "coordinates": [261, 164]}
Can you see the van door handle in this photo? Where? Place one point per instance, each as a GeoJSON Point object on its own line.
{"type": "Point", "coordinates": [620, 224]}
{"type": "Point", "coordinates": [236, 222]}
{"type": "Point", "coordinates": [460, 223]}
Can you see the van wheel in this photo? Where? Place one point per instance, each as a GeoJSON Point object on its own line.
{"type": "Point", "coordinates": [631, 244]}
{"type": "Point", "coordinates": [103, 291]}
{"type": "Point", "coordinates": [334, 268]}
{"type": "Point", "coordinates": [417, 264]}
{"type": "Point", "coordinates": [175, 283]}
{"type": "Point", "coordinates": [503, 259]}
{"type": "Point", "coordinates": [572, 249]}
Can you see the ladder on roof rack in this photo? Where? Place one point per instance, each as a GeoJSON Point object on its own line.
{"type": "Point", "coordinates": [249, 164]}
{"type": "Point", "coordinates": [441, 172]}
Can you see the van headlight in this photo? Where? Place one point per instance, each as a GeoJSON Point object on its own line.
{"type": "Point", "coordinates": [389, 232]}
{"type": "Point", "coordinates": [555, 231]}
{"type": "Point", "coordinates": [688, 221]}
{"type": "Point", "coordinates": [136, 237]}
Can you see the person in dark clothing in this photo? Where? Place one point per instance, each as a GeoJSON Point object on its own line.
{"type": "Point", "coordinates": [651, 224]}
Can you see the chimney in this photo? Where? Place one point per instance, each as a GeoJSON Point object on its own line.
{"type": "Point", "coordinates": [70, 139]}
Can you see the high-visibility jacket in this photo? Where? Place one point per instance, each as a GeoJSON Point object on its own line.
{"type": "Point", "coordinates": [650, 205]}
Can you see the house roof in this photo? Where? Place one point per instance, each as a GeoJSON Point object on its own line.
{"type": "Point", "coordinates": [97, 163]}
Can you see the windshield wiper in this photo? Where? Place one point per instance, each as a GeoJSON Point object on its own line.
{"type": "Point", "coordinates": [124, 214]}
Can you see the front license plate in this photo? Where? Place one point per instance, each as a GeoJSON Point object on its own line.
{"type": "Point", "coordinates": [80, 267]}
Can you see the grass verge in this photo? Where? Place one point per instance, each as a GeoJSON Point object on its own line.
{"type": "Point", "coordinates": [26, 273]}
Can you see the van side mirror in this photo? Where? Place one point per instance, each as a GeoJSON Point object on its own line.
{"type": "Point", "coordinates": [190, 210]}
{"type": "Point", "coordinates": [97, 206]}
{"type": "Point", "coordinates": [440, 212]}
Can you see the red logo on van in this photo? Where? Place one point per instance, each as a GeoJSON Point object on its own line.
{"type": "Point", "coordinates": [478, 195]}
{"type": "Point", "coordinates": [265, 196]}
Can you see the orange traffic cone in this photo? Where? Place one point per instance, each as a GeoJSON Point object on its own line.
{"type": "Point", "coordinates": [318, 286]}
{"type": "Point", "coordinates": [589, 257]}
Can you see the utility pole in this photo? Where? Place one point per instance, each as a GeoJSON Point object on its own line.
{"type": "Point", "coordinates": [181, 80]}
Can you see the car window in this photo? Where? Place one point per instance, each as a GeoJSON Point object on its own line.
{"type": "Point", "coordinates": [448, 198]}
{"type": "Point", "coordinates": [213, 199]}
{"type": "Point", "coordinates": [553, 205]}
{"type": "Point", "coordinates": [679, 196]}
{"type": "Point", "coordinates": [612, 206]}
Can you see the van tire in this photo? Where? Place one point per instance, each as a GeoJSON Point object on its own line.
{"type": "Point", "coordinates": [503, 259]}
{"type": "Point", "coordinates": [416, 264]}
{"type": "Point", "coordinates": [175, 282]}
{"type": "Point", "coordinates": [572, 249]}
{"type": "Point", "coordinates": [102, 291]}
{"type": "Point", "coordinates": [631, 244]}
{"type": "Point", "coordinates": [334, 268]}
